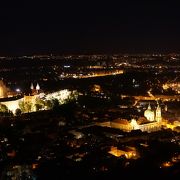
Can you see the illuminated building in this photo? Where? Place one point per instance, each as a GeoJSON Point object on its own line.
{"type": "Point", "coordinates": [35, 91]}
{"type": "Point", "coordinates": [175, 86]}
{"type": "Point", "coordinates": [12, 104]}
{"type": "Point", "coordinates": [152, 121]}
{"type": "Point", "coordinates": [149, 114]}
{"type": "Point", "coordinates": [32, 86]}
{"type": "Point", "coordinates": [9, 98]}
{"type": "Point", "coordinates": [3, 90]}
{"type": "Point", "coordinates": [12, 99]}
{"type": "Point", "coordinates": [158, 114]}
{"type": "Point", "coordinates": [28, 102]}
{"type": "Point", "coordinates": [37, 87]}
{"type": "Point", "coordinates": [128, 152]}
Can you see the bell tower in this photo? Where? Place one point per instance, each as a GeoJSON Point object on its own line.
{"type": "Point", "coordinates": [158, 113]}
{"type": "Point", "coordinates": [37, 88]}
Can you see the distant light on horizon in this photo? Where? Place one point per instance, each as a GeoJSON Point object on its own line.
{"type": "Point", "coordinates": [67, 66]}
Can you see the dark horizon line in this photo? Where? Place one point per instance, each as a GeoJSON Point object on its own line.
{"type": "Point", "coordinates": [87, 53]}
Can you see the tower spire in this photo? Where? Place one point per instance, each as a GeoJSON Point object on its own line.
{"type": "Point", "coordinates": [32, 86]}
{"type": "Point", "coordinates": [37, 87]}
{"type": "Point", "coordinates": [158, 113]}
{"type": "Point", "coordinates": [149, 106]}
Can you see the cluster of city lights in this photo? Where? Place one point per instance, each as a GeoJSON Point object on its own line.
{"type": "Point", "coordinates": [62, 96]}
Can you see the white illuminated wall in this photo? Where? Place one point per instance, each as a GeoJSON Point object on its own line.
{"type": "Point", "coordinates": [62, 95]}
{"type": "Point", "coordinates": [12, 105]}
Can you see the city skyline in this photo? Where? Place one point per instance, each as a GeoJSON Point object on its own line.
{"type": "Point", "coordinates": [89, 90]}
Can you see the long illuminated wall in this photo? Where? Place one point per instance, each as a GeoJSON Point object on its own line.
{"type": "Point", "coordinates": [12, 105]}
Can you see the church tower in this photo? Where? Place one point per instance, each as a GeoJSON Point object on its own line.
{"type": "Point", "coordinates": [149, 114]}
{"type": "Point", "coordinates": [158, 114]}
{"type": "Point", "coordinates": [166, 108]}
{"type": "Point", "coordinates": [37, 88]}
{"type": "Point", "coordinates": [32, 86]}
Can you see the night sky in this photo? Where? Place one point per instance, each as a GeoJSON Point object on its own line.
{"type": "Point", "coordinates": [60, 28]}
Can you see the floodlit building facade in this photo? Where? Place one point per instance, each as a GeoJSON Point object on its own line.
{"type": "Point", "coordinates": [150, 122]}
